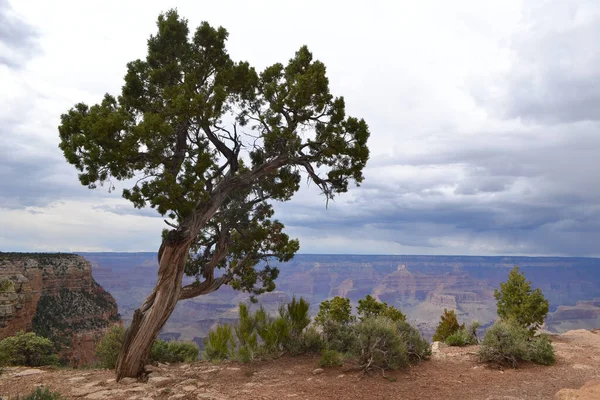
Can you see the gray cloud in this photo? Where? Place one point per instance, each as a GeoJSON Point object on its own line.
{"type": "Point", "coordinates": [18, 39]}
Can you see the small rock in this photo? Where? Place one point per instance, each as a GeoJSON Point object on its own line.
{"type": "Point", "coordinates": [32, 371]}
{"type": "Point", "coordinates": [151, 368]}
{"type": "Point", "coordinates": [177, 396]}
{"type": "Point", "coordinates": [189, 388]}
{"type": "Point", "coordinates": [159, 381]}
{"type": "Point", "coordinates": [341, 376]}
{"type": "Point", "coordinates": [187, 382]}
{"type": "Point", "coordinates": [232, 368]}
{"type": "Point", "coordinates": [318, 371]}
{"type": "Point", "coordinates": [206, 371]}
{"type": "Point", "coordinates": [104, 394]}
{"type": "Point", "coordinates": [127, 381]}
{"type": "Point", "coordinates": [76, 379]}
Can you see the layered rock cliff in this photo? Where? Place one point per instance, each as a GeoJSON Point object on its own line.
{"type": "Point", "coordinates": [55, 295]}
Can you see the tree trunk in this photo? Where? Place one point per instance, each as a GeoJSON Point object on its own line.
{"type": "Point", "coordinates": [151, 317]}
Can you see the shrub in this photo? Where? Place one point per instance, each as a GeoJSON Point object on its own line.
{"type": "Point", "coordinates": [369, 308]}
{"type": "Point", "coordinates": [45, 394]}
{"type": "Point", "coordinates": [540, 351]}
{"type": "Point", "coordinates": [379, 345]}
{"type": "Point", "coordinates": [298, 318]}
{"type": "Point", "coordinates": [447, 326]}
{"type": "Point", "coordinates": [417, 348]}
{"type": "Point", "coordinates": [219, 344]}
{"type": "Point", "coordinates": [339, 337]}
{"type": "Point", "coordinates": [173, 352]}
{"type": "Point", "coordinates": [27, 349]}
{"type": "Point", "coordinates": [336, 310]}
{"type": "Point", "coordinates": [464, 336]}
{"type": "Point", "coordinates": [246, 335]}
{"type": "Point", "coordinates": [517, 301]}
{"type": "Point", "coordinates": [273, 332]}
{"type": "Point", "coordinates": [109, 347]}
{"type": "Point", "coordinates": [508, 343]}
{"type": "Point", "coordinates": [331, 358]}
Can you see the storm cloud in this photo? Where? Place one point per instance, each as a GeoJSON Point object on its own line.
{"type": "Point", "coordinates": [485, 121]}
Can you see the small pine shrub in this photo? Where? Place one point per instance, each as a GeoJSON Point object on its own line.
{"type": "Point", "coordinates": [337, 310]}
{"type": "Point", "coordinates": [370, 308]}
{"type": "Point", "coordinates": [219, 344]}
{"type": "Point", "coordinates": [272, 331]}
{"type": "Point", "coordinates": [246, 335]}
{"type": "Point", "coordinates": [110, 346]}
{"type": "Point", "coordinates": [507, 342]}
{"type": "Point", "coordinates": [379, 345]}
{"type": "Point", "coordinates": [331, 358]}
{"type": "Point", "coordinates": [464, 336]}
{"type": "Point", "coordinates": [447, 326]}
{"type": "Point", "coordinates": [45, 394]}
{"type": "Point", "coordinates": [27, 349]}
{"type": "Point", "coordinates": [418, 349]}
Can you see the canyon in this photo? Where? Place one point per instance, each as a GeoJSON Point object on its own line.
{"type": "Point", "coordinates": [55, 296]}
{"type": "Point", "coordinates": [421, 286]}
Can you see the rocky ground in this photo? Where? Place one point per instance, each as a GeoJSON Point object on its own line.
{"type": "Point", "coordinates": [452, 373]}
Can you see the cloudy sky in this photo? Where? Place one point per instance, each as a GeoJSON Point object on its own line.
{"type": "Point", "coordinates": [484, 115]}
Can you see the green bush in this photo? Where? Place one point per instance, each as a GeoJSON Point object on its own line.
{"type": "Point", "coordinates": [219, 344]}
{"type": "Point", "coordinates": [369, 308]}
{"type": "Point", "coordinates": [110, 346]}
{"type": "Point", "coordinates": [447, 326]}
{"type": "Point", "coordinates": [273, 332]}
{"type": "Point", "coordinates": [246, 335]}
{"type": "Point", "coordinates": [337, 310]}
{"type": "Point", "coordinates": [173, 352]}
{"type": "Point", "coordinates": [518, 302]}
{"type": "Point", "coordinates": [331, 358]}
{"type": "Point", "coordinates": [507, 343]}
{"type": "Point", "coordinates": [379, 345]}
{"type": "Point", "coordinates": [417, 348]}
{"type": "Point", "coordinates": [27, 349]}
{"type": "Point", "coordinates": [464, 336]}
{"type": "Point", "coordinates": [540, 351]}
{"type": "Point", "coordinates": [45, 394]}
{"type": "Point", "coordinates": [339, 337]}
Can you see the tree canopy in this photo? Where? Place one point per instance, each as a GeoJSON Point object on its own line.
{"type": "Point", "coordinates": [518, 302]}
{"type": "Point", "coordinates": [211, 143]}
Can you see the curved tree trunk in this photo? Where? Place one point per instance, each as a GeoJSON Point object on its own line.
{"type": "Point", "coordinates": [151, 317]}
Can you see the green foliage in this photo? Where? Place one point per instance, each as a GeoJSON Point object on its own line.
{"type": "Point", "coordinates": [27, 349]}
{"type": "Point", "coordinates": [464, 336]}
{"type": "Point", "coordinates": [331, 358]}
{"type": "Point", "coordinates": [43, 394]}
{"type": "Point", "coordinates": [540, 351]}
{"type": "Point", "coordinates": [337, 310]}
{"type": "Point", "coordinates": [246, 335]}
{"type": "Point", "coordinates": [516, 300]}
{"type": "Point", "coordinates": [508, 343]}
{"type": "Point", "coordinates": [369, 308]}
{"type": "Point", "coordinates": [219, 344]}
{"type": "Point", "coordinates": [111, 343]}
{"type": "Point", "coordinates": [310, 342]}
{"type": "Point", "coordinates": [339, 337]}
{"type": "Point", "coordinates": [448, 325]}
{"type": "Point", "coordinates": [418, 349]}
{"type": "Point", "coordinates": [109, 347]}
{"type": "Point", "coordinates": [6, 286]}
{"type": "Point", "coordinates": [273, 332]}
{"type": "Point", "coordinates": [169, 129]}
{"type": "Point", "coordinates": [379, 345]}
{"type": "Point", "coordinates": [173, 352]}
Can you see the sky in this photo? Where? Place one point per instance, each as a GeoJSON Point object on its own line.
{"type": "Point", "coordinates": [484, 120]}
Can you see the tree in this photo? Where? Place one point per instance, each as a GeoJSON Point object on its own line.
{"type": "Point", "coordinates": [447, 326]}
{"type": "Point", "coordinates": [337, 310]}
{"type": "Point", "coordinates": [369, 308]}
{"type": "Point", "coordinates": [518, 302]}
{"type": "Point", "coordinates": [210, 144]}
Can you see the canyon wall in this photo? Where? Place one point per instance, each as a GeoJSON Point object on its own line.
{"type": "Point", "coordinates": [55, 295]}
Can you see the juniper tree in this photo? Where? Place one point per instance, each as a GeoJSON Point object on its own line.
{"type": "Point", "coordinates": [211, 143]}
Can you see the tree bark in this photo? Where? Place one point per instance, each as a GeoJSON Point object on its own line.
{"type": "Point", "coordinates": [151, 317]}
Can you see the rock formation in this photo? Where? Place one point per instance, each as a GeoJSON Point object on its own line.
{"type": "Point", "coordinates": [55, 295]}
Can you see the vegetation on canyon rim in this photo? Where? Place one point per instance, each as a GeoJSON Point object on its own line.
{"type": "Point", "coordinates": [210, 143]}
